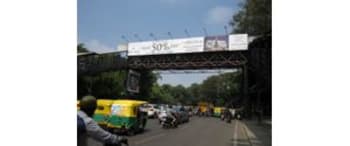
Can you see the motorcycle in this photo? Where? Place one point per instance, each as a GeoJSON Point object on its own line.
{"type": "Point", "coordinates": [222, 116]}
{"type": "Point", "coordinates": [228, 119]}
{"type": "Point", "coordinates": [167, 122]}
{"type": "Point", "coordinates": [227, 116]}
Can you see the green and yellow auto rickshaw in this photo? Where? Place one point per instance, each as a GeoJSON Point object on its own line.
{"type": "Point", "coordinates": [218, 111]}
{"type": "Point", "coordinates": [78, 105]}
{"type": "Point", "coordinates": [127, 117]}
{"type": "Point", "coordinates": [102, 112]}
{"type": "Point", "coordinates": [203, 108]}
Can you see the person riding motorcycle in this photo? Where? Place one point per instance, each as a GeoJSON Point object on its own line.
{"type": "Point", "coordinates": [171, 114]}
{"type": "Point", "coordinates": [87, 127]}
{"type": "Point", "coordinates": [227, 115]}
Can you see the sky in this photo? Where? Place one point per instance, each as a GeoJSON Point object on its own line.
{"type": "Point", "coordinates": [102, 23]}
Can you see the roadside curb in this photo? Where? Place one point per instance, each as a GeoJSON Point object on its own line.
{"type": "Point", "coordinates": [251, 136]}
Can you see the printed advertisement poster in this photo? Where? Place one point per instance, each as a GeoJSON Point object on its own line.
{"type": "Point", "coordinates": [133, 81]}
{"type": "Point", "coordinates": [216, 43]}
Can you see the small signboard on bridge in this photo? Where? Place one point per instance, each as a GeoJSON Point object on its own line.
{"type": "Point", "coordinates": [133, 80]}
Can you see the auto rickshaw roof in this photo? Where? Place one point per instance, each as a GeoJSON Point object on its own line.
{"type": "Point", "coordinates": [104, 101]}
{"type": "Point", "coordinates": [131, 102]}
{"type": "Point", "coordinates": [219, 107]}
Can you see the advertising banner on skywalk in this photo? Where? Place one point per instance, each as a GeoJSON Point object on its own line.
{"type": "Point", "coordinates": [215, 43]}
{"type": "Point", "coordinates": [174, 46]}
{"type": "Point", "coordinates": [122, 47]}
{"type": "Point", "coordinates": [189, 45]}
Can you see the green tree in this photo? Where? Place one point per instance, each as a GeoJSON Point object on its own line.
{"type": "Point", "coordinates": [180, 94]}
{"type": "Point", "coordinates": [230, 86]}
{"type": "Point", "coordinates": [156, 94]}
{"type": "Point", "coordinates": [194, 93]}
{"type": "Point", "coordinates": [209, 89]}
{"type": "Point", "coordinates": [103, 85]}
{"type": "Point", "coordinates": [147, 80]}
{"type": "Point", "coordinates": [109, 84]}
{"type": "Point", "coordinates": [161, 95]}
{"type": "Point", "coordinates": [218, 89]}
{"type": "Point", "coordinates": [81, 48]}
{"type": "Point", "coordinates": [253, 18]}
{"type": "Point", "coordinates": [167, 88]}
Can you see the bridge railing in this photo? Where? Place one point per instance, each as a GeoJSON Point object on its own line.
{"type": "Point", "coordinates": [94, 63]}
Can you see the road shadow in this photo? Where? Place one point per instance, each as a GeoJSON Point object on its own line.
{"type": "Point", "coordinates": [146, 130]}
{"type": "Point", "coordinates": [135, 134]}
{"type": "Point", "coordinates": [262, 132]}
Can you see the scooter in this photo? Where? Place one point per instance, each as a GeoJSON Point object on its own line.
{"type": "Point", "coordinates": [222, 117]}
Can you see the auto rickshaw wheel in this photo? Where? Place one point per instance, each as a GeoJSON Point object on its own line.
{"type": "Point", "coordinates": [141, 127]}
{"type": "Point", "coordinates": [131, 132]}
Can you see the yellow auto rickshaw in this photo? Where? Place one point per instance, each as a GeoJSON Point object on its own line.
{"type": "Point", "coordinates": [127, 117]}
{"type": "Point", "coordinates": [78, 104]}
{"type": "Point", "coordinates": [102, 112]}
{"type": "Point", "coordinates": [203, 108]}
{"type": "Point", "coordinates": [218, 111]}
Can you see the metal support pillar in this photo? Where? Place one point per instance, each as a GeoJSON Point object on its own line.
{"type": "Point", "coordinates": [245, 86]}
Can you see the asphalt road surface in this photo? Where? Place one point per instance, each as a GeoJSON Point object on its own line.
{"type": "Point", "coordinates": [200, 131]}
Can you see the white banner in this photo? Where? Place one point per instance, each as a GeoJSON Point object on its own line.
{"type": "Point", "coordinates": [238, 42]}
{"type": "Point", "coordinates": [174, 46]}
{"type": "Point", "coordinates": [122, 47]}
{"type": "Point", "coordinates": [189, 45]}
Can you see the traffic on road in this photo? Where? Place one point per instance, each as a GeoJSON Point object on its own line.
{"type": "Point", "coordinates": [142, 123]}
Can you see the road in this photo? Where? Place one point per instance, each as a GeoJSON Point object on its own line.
{"type": "Point", "coordinates": [200, 131]}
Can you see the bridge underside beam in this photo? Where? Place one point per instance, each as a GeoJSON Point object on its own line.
{"type": "Point", "coordinates": [210, 60]}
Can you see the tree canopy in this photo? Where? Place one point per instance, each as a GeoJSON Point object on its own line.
{"type": "Point", "coordinates": [218, 89]}
{"type": "Point", "coordinates": [104, 85]}
{"type": "Point", "coordinates": [253, 18]}
{"type": "Point", "coordinates": [81, 48]}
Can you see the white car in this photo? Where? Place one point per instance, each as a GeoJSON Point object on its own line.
{"type": "Point", "coordinates": [152, 110]}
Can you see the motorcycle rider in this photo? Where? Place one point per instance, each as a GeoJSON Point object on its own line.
{"type": "Point", "coordinates": [227, 114]}
{"type": "Point", "coordinates": [87, 127]}
{"type": "Point", "coordinates": [171, 114]}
